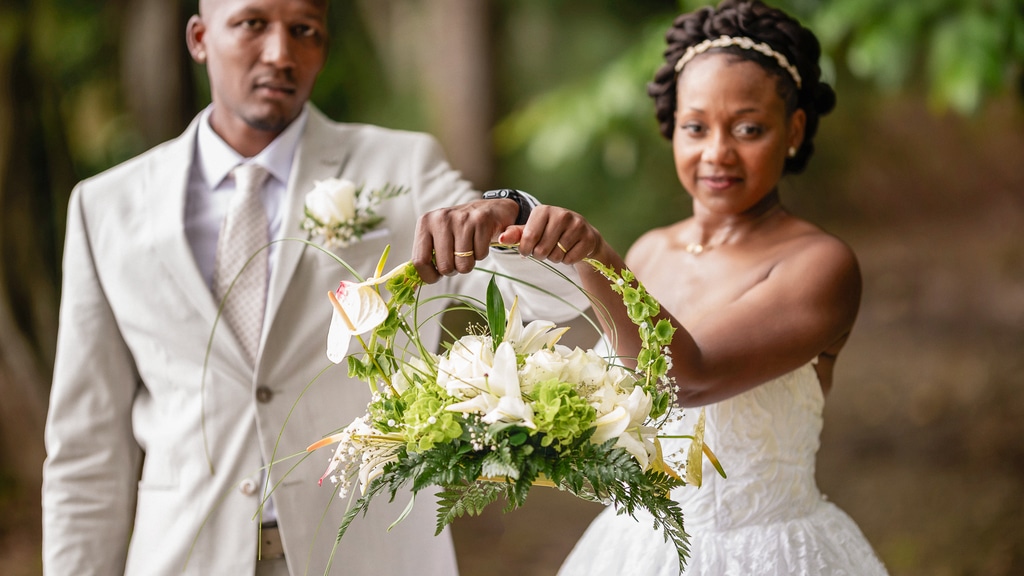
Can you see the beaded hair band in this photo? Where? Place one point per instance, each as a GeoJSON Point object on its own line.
{"type": "Point", "coordinates": [742, 42]}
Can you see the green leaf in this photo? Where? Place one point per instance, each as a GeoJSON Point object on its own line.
{"type": "Point", "coordinates": [495, 313]}
{"type": "Point", "coordinates": [517, 438]}
{"type": "Point", "coordinates": [404, 514]}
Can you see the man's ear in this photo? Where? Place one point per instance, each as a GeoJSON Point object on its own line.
{"type": "Point", "coordinates": [195, 33]}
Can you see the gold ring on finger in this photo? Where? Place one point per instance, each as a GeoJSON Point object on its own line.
{"type": "Point", "coordinates": [466, 254]}
{"type": "Point", "coordinates": [560, 247]}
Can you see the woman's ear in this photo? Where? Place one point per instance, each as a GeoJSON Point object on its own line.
{"type": "Point", "coordinates": [797, 122]}
{"type": "Point", "coordinates": [195, 33]}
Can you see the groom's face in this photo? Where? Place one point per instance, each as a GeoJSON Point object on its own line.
{"type": "Point", "coordinates": [262, 57]}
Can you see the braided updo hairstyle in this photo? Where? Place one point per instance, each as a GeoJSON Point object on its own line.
{"type": "Point", "coordinates": [761, 23]}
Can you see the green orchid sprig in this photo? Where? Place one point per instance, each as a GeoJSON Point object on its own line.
{"type": "Point", "coordinates": [653, 360]}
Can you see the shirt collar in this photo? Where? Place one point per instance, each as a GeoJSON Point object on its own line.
{"type": "Point", "coordinates": [217, 159]}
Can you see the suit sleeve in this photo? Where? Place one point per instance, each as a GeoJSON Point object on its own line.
{"type": "Point", "coordinates": [91, 470]}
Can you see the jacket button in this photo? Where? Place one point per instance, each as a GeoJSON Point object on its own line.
{"type": "Point", "coordinates": [264, 394]}
{"type": "Point", "coordinates": [248, 487]}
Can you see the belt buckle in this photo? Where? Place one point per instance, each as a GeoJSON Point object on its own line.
{"type": "Point", "coordinates": [270, 547]}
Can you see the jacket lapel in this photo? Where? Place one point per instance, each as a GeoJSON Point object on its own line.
{"type": "Point", "coordinates": [167, 188]}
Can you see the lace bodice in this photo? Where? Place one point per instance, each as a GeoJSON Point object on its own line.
{"type": "Point", "coordinates": [767, 440]}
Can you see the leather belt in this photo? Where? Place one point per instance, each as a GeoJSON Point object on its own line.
{"type": "Point", "coordinates": [271, 547]}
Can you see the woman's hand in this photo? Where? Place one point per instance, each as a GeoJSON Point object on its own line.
{"type": "Point", "coordinates": [555, 234]}
{"type": "Point", "coordinates": [450, 240]}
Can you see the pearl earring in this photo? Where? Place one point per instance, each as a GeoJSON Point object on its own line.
{"type": "Point", "coordinates": [792, 151]}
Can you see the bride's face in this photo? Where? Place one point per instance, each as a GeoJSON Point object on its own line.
{"type": "Point", "coordinates": [732, 132]}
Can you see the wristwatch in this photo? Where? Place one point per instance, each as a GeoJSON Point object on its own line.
{"type": "Point", "coordinates": [524, 205]}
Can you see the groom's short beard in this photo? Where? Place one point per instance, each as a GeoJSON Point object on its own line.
{"type": "Point", "coordinates": [275, 124]}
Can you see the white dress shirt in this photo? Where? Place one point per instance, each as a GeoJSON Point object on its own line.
{"type": "Point", "coordinates": [210, 187]}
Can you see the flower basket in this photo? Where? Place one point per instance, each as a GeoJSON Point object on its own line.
{"type": "Point", "coordinates": [503, 408]}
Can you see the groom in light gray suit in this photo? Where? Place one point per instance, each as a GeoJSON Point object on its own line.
{"type": "Point", "coordinates": [153, 468]}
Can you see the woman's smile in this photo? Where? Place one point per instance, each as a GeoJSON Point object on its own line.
{"type": "Point", "coordinates": [719, 183]}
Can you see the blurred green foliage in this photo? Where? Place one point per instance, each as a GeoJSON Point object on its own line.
{"type": "Point", "coordinates": [590, 136]}
{"type": "Point", "coordinates": [962, 50]}
{"type": "Point", "coordinates": [574, 123]}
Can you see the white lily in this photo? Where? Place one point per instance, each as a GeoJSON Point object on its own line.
{"type": "Point", "coordinates": [500, 398]}
{"type": "Point", "coordinates": [626, 422]}
{"type": "Point", "coordinates": [464, 370]}
{"type": "Point", "coordinates": [534, 336]}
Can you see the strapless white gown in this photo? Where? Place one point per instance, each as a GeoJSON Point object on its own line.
{"type": "Point", "coordinates": [766, 518]}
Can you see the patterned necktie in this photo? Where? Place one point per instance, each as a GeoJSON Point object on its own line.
{"type": "Point", "coordinates": [242, 236]}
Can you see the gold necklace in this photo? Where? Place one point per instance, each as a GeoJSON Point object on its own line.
{"type": "Point", "coordinates": [698, 248]}
{"type": "Point", "coordinates": [695, 248]}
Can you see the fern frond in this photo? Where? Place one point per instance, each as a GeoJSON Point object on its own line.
{"type": "Point", "coordinates": [466, 499]}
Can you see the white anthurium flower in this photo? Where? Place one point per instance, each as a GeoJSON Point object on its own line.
{"type": "Point", "coordinates": [358, 308]}
{"type": "Point", "coordinates": [625, 421]}
{"type": "Point", "coordinates": [361, 451]}
{"type": "Point", "coordinates": [348, 447]}
{"type": "Point", "coordinates": [332, 201]}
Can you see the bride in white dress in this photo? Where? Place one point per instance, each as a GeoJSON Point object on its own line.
{"type": "Point", "coordinates": [767, 517]}
{"type": "Point", "coordinates": [763, 302]}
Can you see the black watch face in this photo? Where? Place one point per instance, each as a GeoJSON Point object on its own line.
{"type": "Point", "coordinates": [504, 193]}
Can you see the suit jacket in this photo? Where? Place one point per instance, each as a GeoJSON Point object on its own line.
{"type": "Point", "coordinates": [153, 468]}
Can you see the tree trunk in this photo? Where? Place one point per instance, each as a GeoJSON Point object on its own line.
{"type": "Point", "coordinates": [446, 46]}
{"type": "Point", "coordinates": [458, 78]}
{"type": "Point", "coordinates": [33, 162]}
{"type": "Point", "coordinates": [156, 68]}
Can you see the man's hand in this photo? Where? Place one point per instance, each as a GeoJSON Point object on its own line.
{"type": "Point", "coordinates": [451, 240]}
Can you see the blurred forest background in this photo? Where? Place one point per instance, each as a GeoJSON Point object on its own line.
{"type": "Point", "coordinates": [920, 169]}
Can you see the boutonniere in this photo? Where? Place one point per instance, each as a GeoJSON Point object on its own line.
{"type": "Point", "coordinates": [341, 212]}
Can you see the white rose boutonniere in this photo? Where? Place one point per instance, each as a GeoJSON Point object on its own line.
{"type": "Point", "coordinates": [341, 212]}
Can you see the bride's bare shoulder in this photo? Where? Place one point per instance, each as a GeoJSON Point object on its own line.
{"type": "Point", "coordinates": [811, 244]}
{"type": "Point", "coordinates": [818, 265]}
{"type": "Point", "coordinates": [654, 241]}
